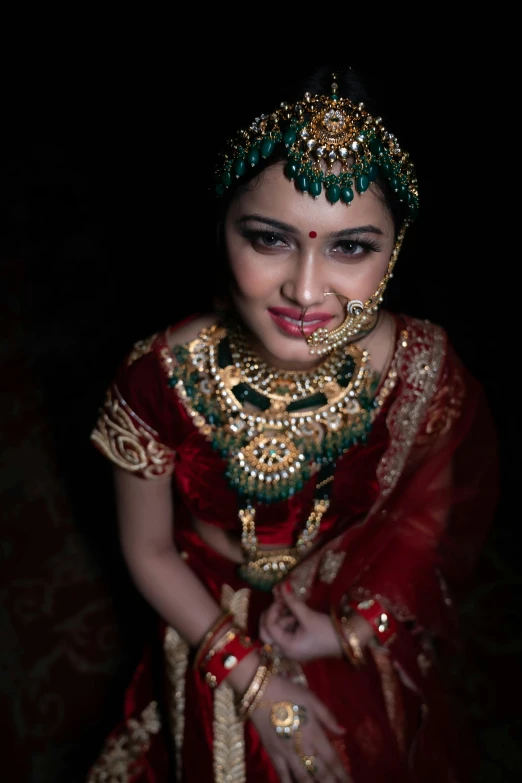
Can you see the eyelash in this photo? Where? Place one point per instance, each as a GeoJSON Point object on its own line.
{"type": "Point", "coordinates": [254, 236]}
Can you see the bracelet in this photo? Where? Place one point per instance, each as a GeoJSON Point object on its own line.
{"type": "Point", "coordinates": [383, 624]}
{"type": "Point", "coordinates": [230, 651]}
{"type": "Point", "coordinates": [253, 694]}
{"type": "Point", "coordinates": [258, 696]}
{"type": "Point", "coordinates": [354, 643]}
{"type": "Point", "coordinates": [349, 640]}
{"type": "Point", "coordinates": [210, 634]}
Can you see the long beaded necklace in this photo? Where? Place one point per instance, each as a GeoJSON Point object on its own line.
{"type": "Point", "coordinates": [275, 429]}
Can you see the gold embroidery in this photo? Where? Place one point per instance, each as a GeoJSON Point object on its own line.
{"type": "Point", "coordinates": [120, 758]}
{"type": "Point", "coordinates": [141, 348]}
{"type": "Point", "coordinates": [229, 740]}
{"type": "Point", "coordinates": [391, 691]}
{"type": "Point", "coordinates": [330, 565]}
{"type": "Point", "coordinates": [420, 356]}
{"type": "Point", "coordinates": [176, 660]}
{"type": "Point", "coordinates": [444, 410]}
{"type": "Point", "coordinates": [303, 575]}
{"type": "Point", "coordinates": [126, 440]}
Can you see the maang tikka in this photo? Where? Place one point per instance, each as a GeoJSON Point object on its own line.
{"type": "Point", "coordinates": [317, 134]}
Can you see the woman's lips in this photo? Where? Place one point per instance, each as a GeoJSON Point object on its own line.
{"type": "Point", "coordinates": [289, 321]}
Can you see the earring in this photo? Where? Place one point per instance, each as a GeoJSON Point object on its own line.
{"type": "Point", "coordinates": [360, 316]}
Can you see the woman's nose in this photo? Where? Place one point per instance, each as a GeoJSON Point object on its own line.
{"type": "Point", "coordinates": [304, 285]}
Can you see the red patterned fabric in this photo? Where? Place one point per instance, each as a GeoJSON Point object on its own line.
{"type": "Point", "coordinates": [409, 512]}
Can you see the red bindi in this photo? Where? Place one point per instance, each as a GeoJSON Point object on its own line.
{"type": "Point", "coordinates": [312, 234]}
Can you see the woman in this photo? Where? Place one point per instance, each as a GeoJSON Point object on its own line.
{"type": "Point", "coordinates": [302, 479]}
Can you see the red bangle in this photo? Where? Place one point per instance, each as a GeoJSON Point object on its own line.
{"type": "Point", "coordinates": [210, 636]}
{"type": "Point", "coordinates": [218, 663]}
{"type": "Point", "coordinates": [383, 623]}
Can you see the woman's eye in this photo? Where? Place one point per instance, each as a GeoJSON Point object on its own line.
{"type": "Point", "coordinates": [266, 239]}
{"type": "Point", "coordinates": [353, 247]}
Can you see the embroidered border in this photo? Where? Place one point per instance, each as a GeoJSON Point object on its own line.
{"type": "Point", "coordinates": [119, 761]}
{"type": "Point", "coordinates": [126, 440]}
{"type": "Point", "coordinates": [176, 661]}
{"type": "Point", "coordinates": [421, 354]}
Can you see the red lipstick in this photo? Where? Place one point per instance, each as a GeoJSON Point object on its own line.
{"type": "Point", "coordinates": [290, 320]}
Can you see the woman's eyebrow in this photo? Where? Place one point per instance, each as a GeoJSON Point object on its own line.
{"type": "Point", "coordinates": [280, 226]}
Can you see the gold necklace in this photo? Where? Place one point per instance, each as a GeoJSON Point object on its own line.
{"type": "Point", "coordinates": [273, 448]}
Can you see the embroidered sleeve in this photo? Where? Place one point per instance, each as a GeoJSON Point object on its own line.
{"type": "Point", "coordinates": [128, 441]}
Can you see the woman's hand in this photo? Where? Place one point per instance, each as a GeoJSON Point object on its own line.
{"type": "Point", "coordinates": [300, 633]}
{"type": "Point", "coordinates": [316, 730]}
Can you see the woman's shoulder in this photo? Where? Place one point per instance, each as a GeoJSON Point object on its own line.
{"type": "Point", "coordinates": [187, 330]}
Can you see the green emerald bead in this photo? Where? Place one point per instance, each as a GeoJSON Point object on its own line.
{"type": "Point", "coordinates": [226, 178]}
{"type": "Point", "coordinates": [403, 192]}
{"type": "Point", "coordinates": [411, 198]}
{"type": "Point", "coordinates": [373, 172]}
{"type": "Point", "coordinates": [333, 194]}
{"type": "Point", "coordinates": [303, 183]}
{"type": "Point", "coordinates": [387, 169]}
{"type": "Point", "coordinates": [220, 189]}
{"type": "Point", "coordinates": [315, 188]}
{"type": "Point", "coordinates": [291, 170]}
{"type": "Point", "coordinates": [253, 156]}
{"type": "Point", "coordinates": [239, 167]}
{"type": "Point", "coordinates": [346, 195]}
{"type": "Point", "coordinates": [395, 183]}
{"type": "Point", "coordinates": [376, 147]}
{"type": "Point", "coordinates": [289, 138]}
{"type": "Point", "coordinates": [362, 183]}
{"type": "Point", "coordinates": [267, 147]}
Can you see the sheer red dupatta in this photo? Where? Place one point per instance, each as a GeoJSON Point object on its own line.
{"type": "Point", "coordinates": [413, 553]}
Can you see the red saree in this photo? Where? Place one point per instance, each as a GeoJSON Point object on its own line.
{"type": "Point", "coordinates": [409, 511]}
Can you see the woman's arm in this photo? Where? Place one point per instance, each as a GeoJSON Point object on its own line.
{"type": "Point", "coordinates": [145, 520]}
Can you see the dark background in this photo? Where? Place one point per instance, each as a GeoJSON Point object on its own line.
{"type": "Point", "coordinates": [106, 236]}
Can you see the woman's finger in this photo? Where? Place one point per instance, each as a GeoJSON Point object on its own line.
{"type": "Point", "coordinates": [282, 638]}
{"type": "Point", "coordinates": [331, 763]}
{"type": "Point", "coordinates": [299, 771]}
{"type": "Point", "coordinates": [327, 718]}
{"type": "Point", "coordinates": [282, 770]}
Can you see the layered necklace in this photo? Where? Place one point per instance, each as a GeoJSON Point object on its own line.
{"type": "Point", "coordinates": [274, 428]}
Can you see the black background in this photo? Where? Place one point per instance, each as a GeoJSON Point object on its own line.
{"type": "Point", "coordinates": [106, 222]}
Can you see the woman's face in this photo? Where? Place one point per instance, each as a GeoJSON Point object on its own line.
{"type": "Point", "coordinates": [287, 249]}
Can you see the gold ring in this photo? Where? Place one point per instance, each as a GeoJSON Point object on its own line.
{"type": "Point", "coordinates": [309, 764]}
{"type": "Point", "coordinates": [286, 718]}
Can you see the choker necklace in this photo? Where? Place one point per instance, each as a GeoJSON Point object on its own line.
{"type": "Point", "coordinates": [273, 442]}
{"type": "Point", "coordinates": [283, 385]}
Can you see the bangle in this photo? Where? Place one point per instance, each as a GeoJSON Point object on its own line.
{"type": "Point", "coordinates": [230, 651]}
{"type": "Point", "coordinates": [253, 694]}
{"type": "Point", "coordinates": [214, 629]}
{"type": "Point", "coordinates": [258, 696]}
{"type": "Point", "coordinates": [353, 641]}
{"type": "Point", "coordinates": [383, 624]}
{"type": "Point", "coordinates": [349, 640]}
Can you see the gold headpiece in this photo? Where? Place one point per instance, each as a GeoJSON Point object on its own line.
{"type": "Point", "coordinates": [317, 134]}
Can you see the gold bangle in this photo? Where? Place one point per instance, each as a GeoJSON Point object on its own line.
{"type": "Point", "coordinates": [252, 690]}
{"type": "Point", "coordinates": [259, 695]}
{"type": "Point", "coordinates": [348, 640]}
{"type": "Point", "coordinates": [353, 642]}
{"type": "Point", "coordinates": [227, 637]}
